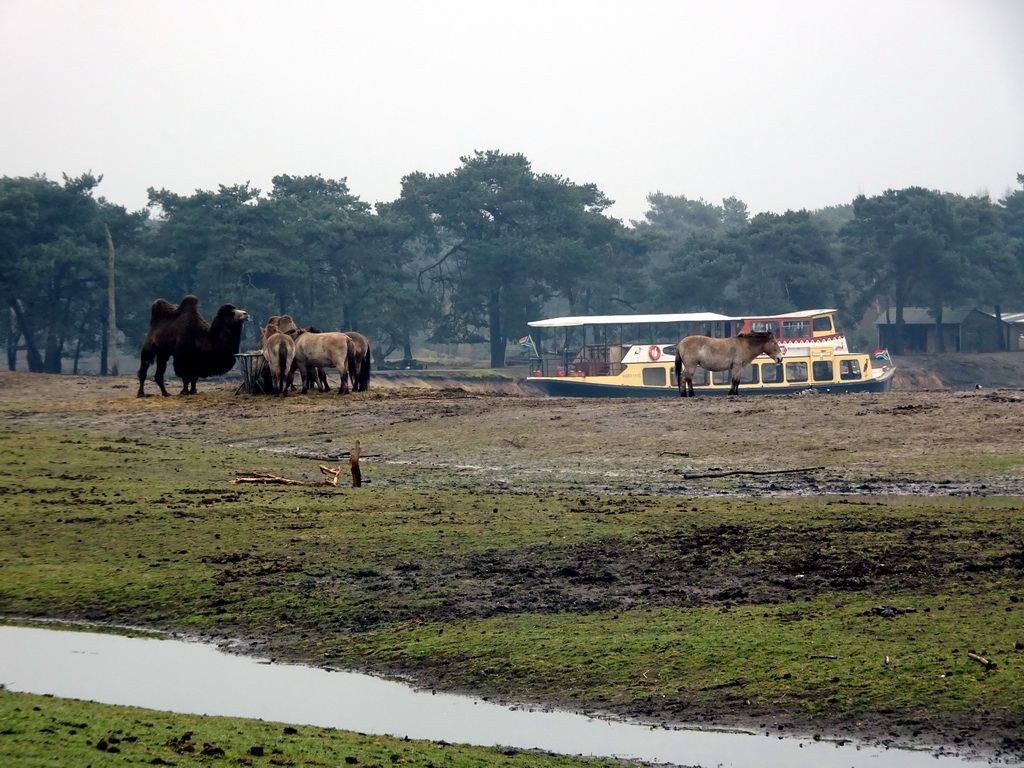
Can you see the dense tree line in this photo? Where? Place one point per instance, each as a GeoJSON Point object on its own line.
{"type": "Point", "coordinates": [473, 254]}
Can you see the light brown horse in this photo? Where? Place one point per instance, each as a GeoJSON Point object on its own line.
{"type": "Point", "coordinates": [732, 354]}
{"type": "Point", "coordinates": [358, 361]}
{"type": "Point", "coordinates": [321, 350]}
{"type": "Point", "coordinates": [279, 352]}
{"type": "Point", "coordinates": [285, 324]}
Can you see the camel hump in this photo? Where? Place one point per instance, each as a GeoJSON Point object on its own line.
{"type": "Point", "coordinates": [162, 309]}
{"type": "Point", "coordinates": [189, 304]}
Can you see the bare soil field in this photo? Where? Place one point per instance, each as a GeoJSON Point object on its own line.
{"type": "Point", "coordinates": [940, 431]}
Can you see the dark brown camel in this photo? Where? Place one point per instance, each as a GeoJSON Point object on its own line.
{"type": "Point", "coordinates": [199, 348]}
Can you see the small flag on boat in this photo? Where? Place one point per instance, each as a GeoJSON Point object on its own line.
{"type": "Point", "coordinates": [527, 343]}
{"type": "Point", "coordinates": [882, 354]}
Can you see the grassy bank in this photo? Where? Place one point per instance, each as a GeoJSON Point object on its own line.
{"type": "Point", "coordinates": [822, 610]}
{"type": "Point", "coordinates": [45, 731]}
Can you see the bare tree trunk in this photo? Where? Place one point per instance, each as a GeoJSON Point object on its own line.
{"type": "Point", "coordinates": [111, 335]}
{"type": "Point", "coordinates": [497, 335]}
{"type": "Point", "coordinates": [35, 360]}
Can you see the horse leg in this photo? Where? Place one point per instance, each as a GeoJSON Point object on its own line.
{"type": "Point", "coordinates": [687, 390]}
{"type": "Point", "coordinates": [343, 386]}
{"type": "Point", "coordinates": [734, 388]}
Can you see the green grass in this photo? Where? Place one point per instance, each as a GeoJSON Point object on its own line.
{"type": "Point", "coordinates": [682, 606]}
{"type": "Point", "coordinates": [808, 657]}
{"type": "Point", "coordinates": [42, 731]}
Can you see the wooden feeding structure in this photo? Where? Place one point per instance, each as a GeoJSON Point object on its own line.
{"type": "Point", "coordinates": [255, 378]}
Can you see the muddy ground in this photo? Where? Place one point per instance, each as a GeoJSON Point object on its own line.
{"type": "Point", "coordinates": [932, 435]}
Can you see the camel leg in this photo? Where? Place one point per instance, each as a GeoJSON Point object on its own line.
{"type": "Point", "coordinates": [143, 369]}
{"type": "Point", "coordinates": [158, 376]}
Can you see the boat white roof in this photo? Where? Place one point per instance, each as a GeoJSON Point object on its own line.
{"type": "Point", "coordinates": [798, 313]}
{"type": "Point", "coordinates": [681, 317]}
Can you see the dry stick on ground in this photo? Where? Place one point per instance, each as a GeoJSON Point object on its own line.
{"type": "Point", "coordinates": [751, 472]}
{"type": "Point", "coordinates": [331, 475]}
{"type": "Point", "coordinates": [263, 477]}
{"type": "Point", "coordinates": [331, 478]}
{"type": "Point", "coordinates": [988, 664]}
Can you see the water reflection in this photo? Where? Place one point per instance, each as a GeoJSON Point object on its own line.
{"type": "Point", "coordinates": [198, 679]}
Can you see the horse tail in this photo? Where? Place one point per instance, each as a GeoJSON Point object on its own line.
{"type": "Point", "coordinates": [364, 372]}
{"type": "Point", "coordinates": [282, 374]}
{"type": "Point", "coordinates": [679, 371]}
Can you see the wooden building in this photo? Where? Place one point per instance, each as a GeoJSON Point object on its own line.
{"type": "Point", "coordinates": [962, 330]}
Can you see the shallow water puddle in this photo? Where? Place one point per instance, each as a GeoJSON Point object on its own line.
{"type": "Point", "coordinates": [192, 678]}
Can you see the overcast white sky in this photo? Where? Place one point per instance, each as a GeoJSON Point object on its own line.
{"type": "Point", "coordinates": [785, 104]}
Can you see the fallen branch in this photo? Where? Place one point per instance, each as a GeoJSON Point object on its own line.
{"type": "Point", "coordinates": [263, 477]}
{"type": "Point", "coordinates": [988, 664]}
{"type": "Point", "coordinates": [751, 472]}
{"type": "Point", "coordinates": [331, 475]}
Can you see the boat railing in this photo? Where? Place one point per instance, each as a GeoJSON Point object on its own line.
{"type": "Point", "coordinates": [579, 365]}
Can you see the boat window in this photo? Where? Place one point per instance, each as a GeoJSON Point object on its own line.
{"type": "Point", "coordinates": [821, 370]}
{"type": "Point", "coordinates": [796, 371]}
{"type": "Point", "coordinates": [796, 329]}
{"type": "Point", "coordinates": [771, 373]}
{"type": "Point", "coordinates": [823, 324]}
{"type": "Point", "coordinates": [700, 378]}
{"type": "Point", "coordinates": [849, 369]}
{"type": "Point", "coordinates": [761, 326]}
{"type": "Point", "coordinates": [654, 376]}
{"type": "Point", "coordinates": [721, 377]}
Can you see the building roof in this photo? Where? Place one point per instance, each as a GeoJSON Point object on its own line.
{"type": "Point", "coordinates": [950, 316]}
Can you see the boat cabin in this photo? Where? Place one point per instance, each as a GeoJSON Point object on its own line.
{"type": "Point", "coordinates": [634, 355]}
{"type": "Point", "coordinates": [603, 345]}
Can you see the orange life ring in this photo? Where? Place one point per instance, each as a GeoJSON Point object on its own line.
{"type": "Point", "coordinates": [654, 352]}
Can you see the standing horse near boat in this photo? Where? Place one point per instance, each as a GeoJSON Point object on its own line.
{"type": "Point", "coordinates": [279, 351]}
{"type": "Point", "coordinates": [732, 354]}
{"type": "Point", "coordinates": [315, 351]}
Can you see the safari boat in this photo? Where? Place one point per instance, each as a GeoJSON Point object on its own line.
{"type": "Point", "coordinates": [634, 356]}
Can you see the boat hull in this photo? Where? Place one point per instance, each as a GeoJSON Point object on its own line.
{"type": "Point", "coordinates": [580, 387]}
